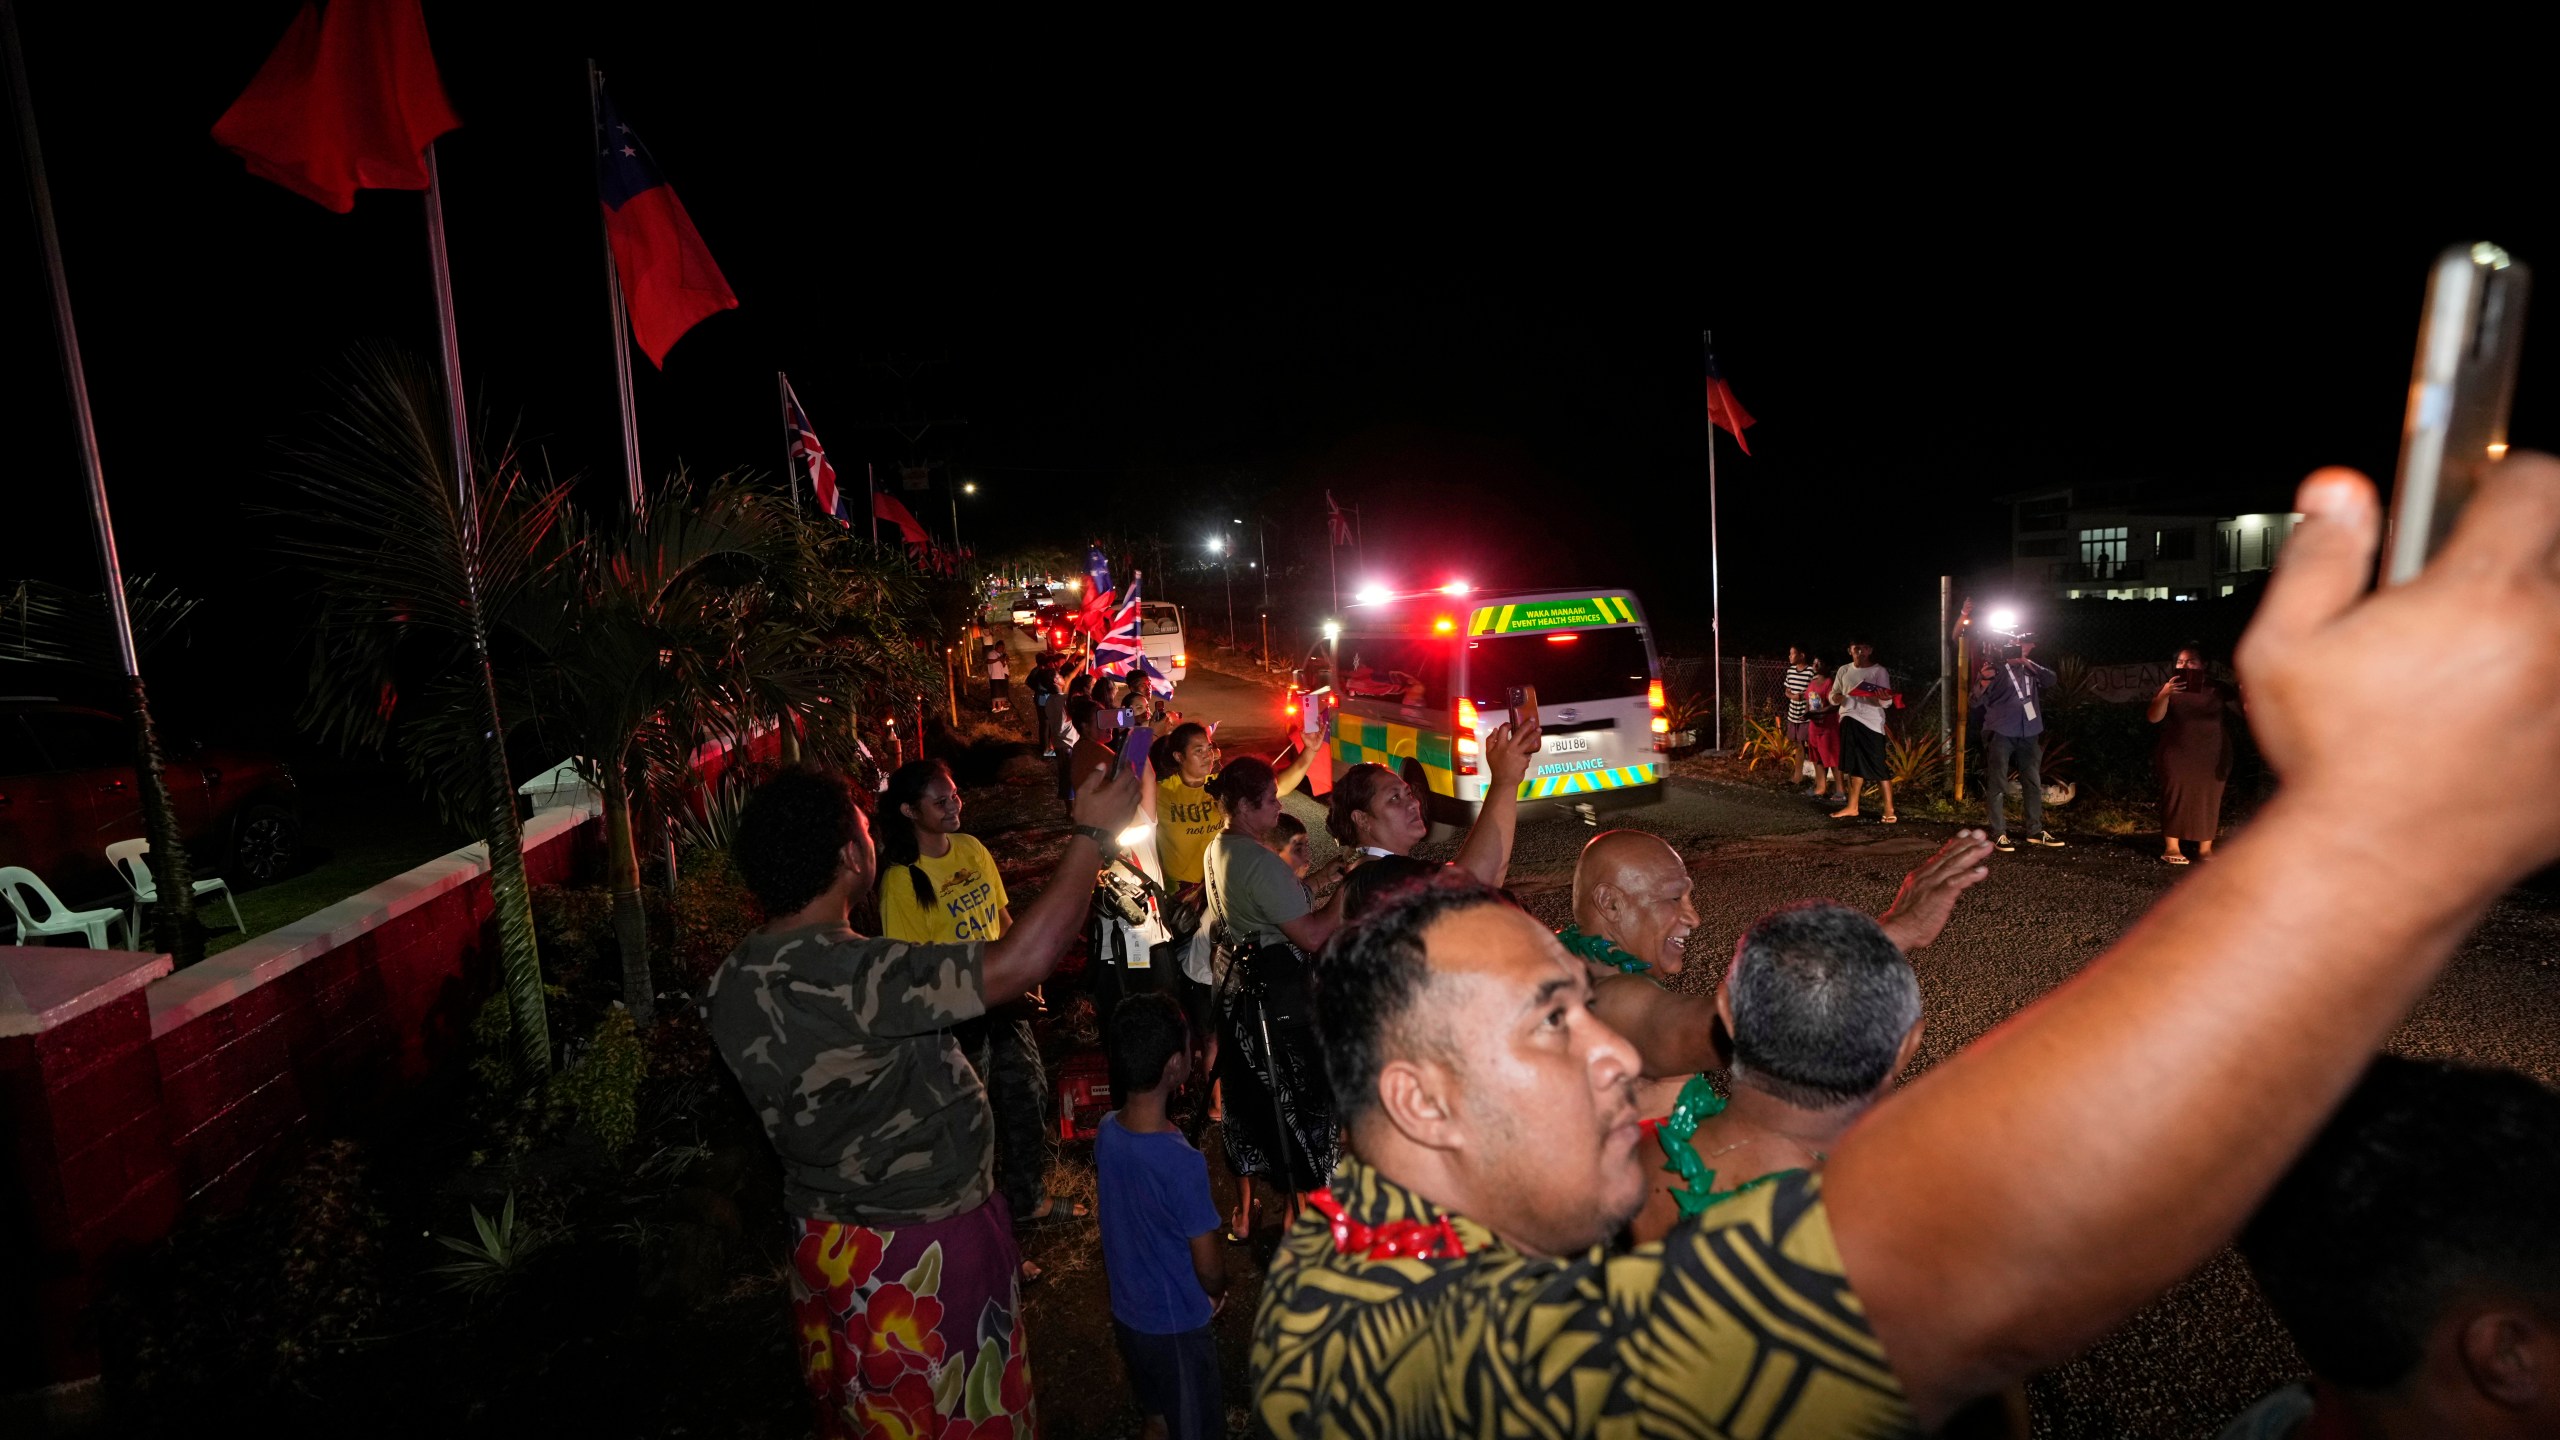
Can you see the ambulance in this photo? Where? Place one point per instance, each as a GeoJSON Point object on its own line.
{"type": "Point", "coordinates": [1413, 682]}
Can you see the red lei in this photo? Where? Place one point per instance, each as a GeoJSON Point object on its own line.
{"type": "Point", "coordinates": [1395, 1240]}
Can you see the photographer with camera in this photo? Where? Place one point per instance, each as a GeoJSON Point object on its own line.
{"type": "Point", "coordinates": [2010, 696]}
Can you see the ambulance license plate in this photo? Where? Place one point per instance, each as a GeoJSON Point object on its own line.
{"type": "Point", "coordinates": [1567, 744]}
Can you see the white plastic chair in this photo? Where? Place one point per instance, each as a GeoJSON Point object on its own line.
{"type": "Point", "coordinates": [126, 856]}
{"type": "Point", "coordinates": [59, 919]}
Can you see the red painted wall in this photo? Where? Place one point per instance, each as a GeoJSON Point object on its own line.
{"type": "Point", "coordinates": [116, 1134]}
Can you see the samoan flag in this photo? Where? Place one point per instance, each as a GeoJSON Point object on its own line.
{"type": "Point", "coordinates": [669, 281]}
{"type": "Point", "coordinates": [812, 458]}
{"type": "Point", "coordinates": [1094, 616]}
{"type": "Point", "coordinates": [1119, 649]}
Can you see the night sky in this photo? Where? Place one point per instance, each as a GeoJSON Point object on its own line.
{"type": "Point", "coordinates": [1175, 279]}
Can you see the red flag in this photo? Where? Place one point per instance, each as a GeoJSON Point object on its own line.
{"type": "Point", "coordinates": [886, 507]}
{"type": "Point", "coordinates": [349, 101]}
{"type": "Point", "coordinates": [1722, 408]}
{"type": "Point", "coordinates": [669, 281]}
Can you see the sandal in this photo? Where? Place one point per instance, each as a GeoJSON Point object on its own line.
{"type": "Point", "coordinates": [1048, 1214]}
{"type": "Point", "coordinates": [1890, 820]}
{"type": "Point", "coordinates": [2175, 859]}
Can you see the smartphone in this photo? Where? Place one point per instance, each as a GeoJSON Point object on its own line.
{"type": "Point", "coordinates": [2469, 335]}
{"type": "Point", "coordinates": [1524, 706]}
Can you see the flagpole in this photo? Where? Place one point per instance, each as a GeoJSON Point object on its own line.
{"type": "Point", "coordinates": [1715, 571]}
{"type": "Point", "coordinates": [173, 929]}
{"type": "Point", "coordinates": [790, 469]}
{"type": "Point", "coordinates": [449, 350]}
{"type": "Point", "coordinates": [613, 298]}
{"type": "Point", "coordinates": [871, 487]}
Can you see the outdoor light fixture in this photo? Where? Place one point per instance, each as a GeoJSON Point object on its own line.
{"type": "Point", "coordinates": [2004, 621]}
{"type": "Point", "coordinates": [1217, 546]}
{"type": "Point", "coordinates": [1371, 595]}
{"type": "Point", "coordinates": [968, 487]}
{"type": "Point", "coordinates": [1333, 629]}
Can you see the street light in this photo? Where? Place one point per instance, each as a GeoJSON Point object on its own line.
{"type": "Point", "coordinates": [1219, 547]}
{"type": "Point", "coordinates": [1371, 594]}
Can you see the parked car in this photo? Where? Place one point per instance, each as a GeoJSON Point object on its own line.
{"type": "Point", "coordinates": [68, 790]}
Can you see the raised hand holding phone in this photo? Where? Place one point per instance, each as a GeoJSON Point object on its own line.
{"type": "Point", "coordinates": [2470, 334]}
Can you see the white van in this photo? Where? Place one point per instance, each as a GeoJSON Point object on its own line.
{"type": "Point", "coordinates": [1413, 681]}
{"type": "Point", "coordinates": [1160, 636]}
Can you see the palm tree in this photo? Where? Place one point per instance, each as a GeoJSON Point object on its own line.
{"type": "Point", "coordinates": [631, 657]}
{"type": "Point", "coordinates": [409, 586]}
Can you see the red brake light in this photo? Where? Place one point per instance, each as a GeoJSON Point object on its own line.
{"type": "Point", "coordinates": [1564, 639]}
{"type": "Point", "coordinates": [1444, 626]}
{"type": "Point", "coordinates": [1467, 746]}
{"type": "Point", "coordinates": [1183, 660]}
{"type": "Point", "coordinates": [1653, 694]}
{"type": "Point", "coordinates": [1292, 709]}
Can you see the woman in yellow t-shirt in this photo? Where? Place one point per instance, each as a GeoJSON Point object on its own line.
{"type": "Point", "coordinates": [937, 884]}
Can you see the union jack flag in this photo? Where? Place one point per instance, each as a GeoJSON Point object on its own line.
{"type": "Point", "coordinates": [1338, 529]}
{"type": "Point", "coordinates": [1157, 684]}
{"type": "Point", "coordinates": [811, 457]}
{"type": "Point", "coordinates": [1119, 649]}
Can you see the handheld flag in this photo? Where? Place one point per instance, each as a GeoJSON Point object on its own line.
{"type": "Point", "coordinates": [1157, 684]}
{"type": "Point", "coordinates": [349, 100]}
{"type": "Point", "coordinates": [885, 506]}
{"type": "Point", "coordinates": [1119, 648]}
{"type": "Point", "coordinates": [669, 281]}
{"type": "Point", "coordinates": [812, 459]}
{"type": "Point", "coordinates": [1095, 614]}
{"type": "Point", "coordinates": [1336, 526]}
{"type": "Point", "coordinates": [1722, 408]}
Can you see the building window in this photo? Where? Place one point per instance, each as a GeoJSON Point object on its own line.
{"type": "Point", "coordinates": [2227, 589]}
{"type": "Point", "coordinates": [2103, 552]}
{"type": "Point", "coordinates": [2179, 544]}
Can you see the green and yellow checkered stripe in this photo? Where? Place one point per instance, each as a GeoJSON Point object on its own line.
{"type": "Point", "coordinates": [1357, 739]}
{"type": "Point", "coordinates": [1384, 742]}
{"type": "Point", "coordinates": [1581, 782]}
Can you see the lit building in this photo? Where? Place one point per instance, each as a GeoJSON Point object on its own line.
{"type": "Point", "coordinates": [2122, 542]}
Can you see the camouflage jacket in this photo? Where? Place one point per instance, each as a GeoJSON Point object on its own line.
{"type": "Point", "coordinates": [843, 1045]}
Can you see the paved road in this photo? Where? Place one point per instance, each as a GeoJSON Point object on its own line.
{"type": "Point", "coordinates": [2200, 1354]}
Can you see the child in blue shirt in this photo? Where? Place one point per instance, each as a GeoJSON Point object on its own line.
{"type": "Point", "coordinates": [1159, 1225]}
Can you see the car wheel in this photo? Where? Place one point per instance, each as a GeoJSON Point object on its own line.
{"type": "Point", "coordinates": [266, 844]}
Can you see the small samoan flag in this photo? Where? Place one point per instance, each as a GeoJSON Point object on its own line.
{"type": "Point", "coordinates": [812, 458]}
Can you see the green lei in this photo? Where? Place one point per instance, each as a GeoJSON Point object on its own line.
{"type": "Point", "coordinates": [1697, 1191]}
{"type": "Point", "coordinates": [1601, 952]}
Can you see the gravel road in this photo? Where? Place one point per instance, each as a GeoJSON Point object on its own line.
{"type": "Point", "coordinates": [2206, 1349]}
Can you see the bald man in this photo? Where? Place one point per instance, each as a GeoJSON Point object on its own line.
{"type": "Point", "coordinates": [1631, 923]}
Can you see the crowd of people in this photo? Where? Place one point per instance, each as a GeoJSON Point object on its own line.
{"type": "Point", "coordinates": [1530, 1189]}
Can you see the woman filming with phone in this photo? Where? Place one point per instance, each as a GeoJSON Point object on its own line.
{"type": "Point", "coordinates": [2193, 754]}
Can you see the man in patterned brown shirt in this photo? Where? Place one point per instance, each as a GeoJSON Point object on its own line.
{"type": "Point", "coordinates": [2012, 1204]}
